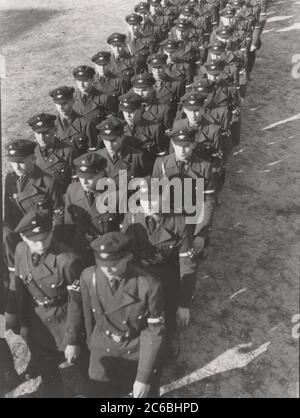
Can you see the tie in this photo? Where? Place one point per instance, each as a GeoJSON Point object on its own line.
{"type": "Point", "coordinates": [114, 284]}
{"type": "Point", "coordinates": [115, 157]}
{"type": "Point", "coordinates": [181, 167]}
{"type": "Point", "coordinates": [22, 181]}
{"type": "Point", "coordinates": [35, 259]}
{"type": "Point", "coordinates": [66, 123]}
{"type": "Point", "coordinates": [91, 198]}
{"type": "Point", "coordinates": [84, 99]}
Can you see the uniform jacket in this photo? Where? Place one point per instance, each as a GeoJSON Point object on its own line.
{"type": "Point", "coordinates": [80, 133]}
{"type": "Point", "coordinates": [167, 167]}
{"type": "Point", "coordinates": [95, 108]}
{"type": "Point", "coordinates": [130, 159]}
{"type": "Point", "coordinates": [165, 252]}
{"type": "Point", "coordinates": [88, 220]}
{"type": "Point", "coordinates": [128, 324]}
{"type": "Point", "coordinates": [110, 88]}
{"type": "Point", "coordinates": [170, 90]}
{"type": "Point", "coordinates": [57, 161]}
{"type": "Point", "coordinates": [56, 278]}
{"type": "Point", "coordinates": [127, 66]}
{"type": "Point", "coordinates": [147, 130]}
{"type": "Point", "coordinates": [40, 192]}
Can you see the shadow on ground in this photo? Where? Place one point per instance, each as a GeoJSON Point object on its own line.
{"type": "Point", "coordinates": [15, 23]}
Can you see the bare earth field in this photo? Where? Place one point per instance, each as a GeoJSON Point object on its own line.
{"type": "Point", "coordinates": [248, 288]}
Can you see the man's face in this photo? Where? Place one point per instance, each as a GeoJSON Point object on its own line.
{"type": "Point", "coordinates": [192, 115]}
{"type": "Point", "coordinates": [113, 146]}
{"type": "Point", "coordinates": [144, 16]}
{"type": "Point", "coordinates": [45, 138]}
{"type": "Point", "coordinates": [218, 57]}
{"type": "Point", "coordinates": [117, 50]}
{"type": "Point", "coordinates": [65, 109]}
{"type": "Point", "coordinates": [129, 117]}
{"type": "Point", "coordinates": [84, 85]}
{"type": "Point", "coordinates": [153, 8]}
{"type": "Point", "coordinates": [226, 21]}
{"type": "Point", "coordinates": [180, 34]}
{"type": "Point", "coordinates": [133, 29]}
{"type": "Point", "coordinates": [116, 269]}
{"type": "Point", "coordinates": [25, 167]}
{"type": "Point", "coordinates": [183, 151]}
{"type": "Point", "coordinates": [86, 183]}
{"type": "Point", "coordinates": [102, 69]}
{"type": "Point", "coordinates": [213, 77]}
{"type": "Point", "coordinates": [170, 55]}
{"type": "Point", "coordinates": [158, 72]}
{"type": "Point", "coordinates": [144, 92]}
{"type": "Point", "coordinates": [38, 247]}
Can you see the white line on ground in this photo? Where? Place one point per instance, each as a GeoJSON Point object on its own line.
{"type": "Point", "coordinates": [264, 171]}
{"type": "Point", "coordinates": [232, 359]}
{"type": "Point", "coordinates": [274, 163]}
{"type": "Point", "coordinates": [281, 122]}
{"type": "Point", "coordinates": [267, 31]}
{"type": "Point", "coordinates": [239, 152]}
{"type": "Point", "coordinates": [238, 293]}
{"type": "Point", "coordinates": [295, 26]}
{"type": "Point", "coordinates": [278, 18]}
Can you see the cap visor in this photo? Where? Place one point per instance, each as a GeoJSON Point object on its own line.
{"type": "Point", "coordinates": [17, 159]}
{"type": "Point", "coordinates": [86, 175]}
{"type": "Point", "coordinates": [110, 262]}
{"type": "Point", "coordinates": [38, 237]}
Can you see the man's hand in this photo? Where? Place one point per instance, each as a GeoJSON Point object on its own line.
{"type": "Point", "coordinates": [183, 317]}
{"type": "Point", "coordinates": [140, 390]}
{"type": "Point", "coordinates": [24, 333]}
{"type": "Point", "coordinates": [253, 48]}
{"type": "Point", "coordinates": [72, 353]}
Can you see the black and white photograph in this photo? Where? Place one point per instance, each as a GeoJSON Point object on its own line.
{"type": "Point", "coordinates": [150, 201]}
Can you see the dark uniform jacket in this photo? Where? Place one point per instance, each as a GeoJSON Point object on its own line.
{"type": "Point", "coordinates": [127, 66]}
{"type": "Point", "coordinates": [169, 90]}
{"type": "Point", "coordinates": [129, 159]}
{"type": "Point", "coordinates": [167, 167]}
{"type": "Point", "coordinates": [110, 88]}
{"type": "Point", "coordinates": [57, 161]}
{"type": "Point", "coordinates": [162, 113]}
{"type": "Point", "coordinates": [166, 251]}
{"type": "Point", "coordinates": [80, 133]}
{"type": "Point", "coordinates": [149, 132]}
{"type": "Point", "coordinates": [92, 106]}
{"type": "Point", "coordinates": [128, 324]}
{"type": "Point", "coordinates": [40, 192]}
{"type": "Point", "coordinates": [46, 296]}
{"type": "Point", "coordinates": [87, 219]}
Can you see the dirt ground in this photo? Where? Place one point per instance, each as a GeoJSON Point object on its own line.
{"type": "Point", "coordinates": [248, 288]}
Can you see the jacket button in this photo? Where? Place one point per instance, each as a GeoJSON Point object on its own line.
{"type": "Point", "coordinates": [94, 310]}
{"type": "Point", "coordinates": [140, 317]}
{"type": "Point", "coordinates": [128, 352]}
{"type": "Point", "coordinates": [108, 350]}
{"type": "Point", "coordinates": [53, 286]}
{"type": "Point", "coordinates": [107, 332]}
{"type": "Point", "coordinates": [49, 320]}
{"type": "Point", "coordinates": [124, 322]}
